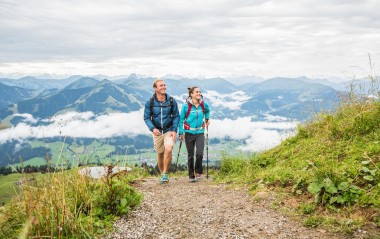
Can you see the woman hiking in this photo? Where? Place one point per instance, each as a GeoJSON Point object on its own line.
{"type": "Point", "coordinates": [194, 117]}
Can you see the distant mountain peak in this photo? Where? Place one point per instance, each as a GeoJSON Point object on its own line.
{"type": "Point", "coordinates": [28, 78]}
{"type": "Point", "coordinates": [83, 82]}
{"type": "Point", "coordinates": [132, 76]}
{"type": "Point", "coordinates": [106, 82]}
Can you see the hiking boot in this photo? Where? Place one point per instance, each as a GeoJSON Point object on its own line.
{"type": "Point", "coordinates": [164, 178]}
{"type": "Point", "coordinates": [192, 180]}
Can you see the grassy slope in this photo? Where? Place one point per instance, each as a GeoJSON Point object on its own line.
{"type": "Point", "coordinates": [332, 165]}
{"type": "Point", "coordinates": [8, 187]}
{"type": "Point", "coordinates": [92, 204]}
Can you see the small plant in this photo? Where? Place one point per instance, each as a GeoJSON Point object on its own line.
{"type": "Point", "coordinates": [308, 208]}
{"type": "Point", "coordinates": [313, 221]}
{"type": "Point", "coordinates": [370, 171]}
{"type": "Point", "coordinates": [327, 192]}
{"type": "Point", "coordinates": [117, 197]}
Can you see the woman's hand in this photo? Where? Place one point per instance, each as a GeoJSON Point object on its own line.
{"type": "Point", "coordinates": [181, 137]}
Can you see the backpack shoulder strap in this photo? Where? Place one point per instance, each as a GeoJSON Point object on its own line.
{"type": "Point", "coordinates": [151, 105]}
{"type": "Point", "coordinates": [203, 106]}
{"type": "Point", "coordinates": [189, 105]}
{"type": "Point", "coordinates": [171, 101]}
{"type": "Point", "coordinates": [171, 106]}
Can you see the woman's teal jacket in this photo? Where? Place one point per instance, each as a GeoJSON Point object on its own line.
{"type": "Point", "coordinates": [195, 119]}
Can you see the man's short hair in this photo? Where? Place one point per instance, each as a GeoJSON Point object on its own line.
{"type": "Point", "coordinates": [155, 82]}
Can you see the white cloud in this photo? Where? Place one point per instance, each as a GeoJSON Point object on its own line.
{"type": "Point", "coordinates": [231, 101]}
{"type": "Point", "coordinates": [276, 118]}
{"type": "Point", "coordinates": [262, 139]}
{"type": "Point", "coordinates": [70, 116]}
{"type": "Point", "coordinates": [84, 124]}
{"type": "Point", "coordinates": [212, 38]}
{"type": "Point", "coordinates": [18, 146]}
{"type": "Point", "coordinates": [243, 127]}
{"type": "Point", "coordinates": [258, 135]}
{"type": "Point", "coordinates": [27, 118]}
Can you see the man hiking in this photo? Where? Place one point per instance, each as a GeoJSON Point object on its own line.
{"type": "Point", "coordinates": [162, 117]}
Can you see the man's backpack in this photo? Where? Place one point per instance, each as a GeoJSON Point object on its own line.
{"type": "Point", "coordinates": [171, 105]}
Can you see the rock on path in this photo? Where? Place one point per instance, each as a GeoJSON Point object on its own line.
{"type": "Point", "coordinates": [205, 210]}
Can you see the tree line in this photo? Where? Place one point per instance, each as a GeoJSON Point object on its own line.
{"type": "Point", "coordinates": [5, 170]}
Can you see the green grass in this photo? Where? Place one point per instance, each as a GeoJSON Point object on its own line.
{"type": "Point", "coordinates": [36, 161]}
{"type": "Point", "coordinates": [8, 187]}
{"type": "Point", "coordinates": [67, 205]}
{"type": "Point", "coordinates": [332, 162]}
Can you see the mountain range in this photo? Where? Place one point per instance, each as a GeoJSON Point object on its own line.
{"type": "Point", "coordinates": [11, 94]}
{"type": "Point", "coordinates": [292, 98]}
{"type": "Point", "coordinates": [288, 97]}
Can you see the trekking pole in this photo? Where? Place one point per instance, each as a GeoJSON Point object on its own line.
{"type": "Point", "coordinates": [176, 164]}
{"type": "Point", "coordinates": [207, 150]}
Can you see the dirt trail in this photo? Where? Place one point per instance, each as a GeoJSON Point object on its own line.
{"type": "Point", "coordinates": [206, 210]}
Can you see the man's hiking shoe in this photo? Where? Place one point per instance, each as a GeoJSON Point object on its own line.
{"type": "Point", "coordinates": [192, 180]}
{"type": "Point", "coordinates": [164, 178]}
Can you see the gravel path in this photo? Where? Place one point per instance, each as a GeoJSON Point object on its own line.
{"type": "Point", "coordinates": [206, 210]}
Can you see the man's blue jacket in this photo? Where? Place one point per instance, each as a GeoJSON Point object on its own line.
{"type": "Point", "coordinates": [164, 116]}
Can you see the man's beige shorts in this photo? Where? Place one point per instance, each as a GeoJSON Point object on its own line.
{"type": "Point", "coordinates": [161, 141]}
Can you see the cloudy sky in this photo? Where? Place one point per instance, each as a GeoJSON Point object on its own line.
{"type": "Point", "coordinates": [208, 38]}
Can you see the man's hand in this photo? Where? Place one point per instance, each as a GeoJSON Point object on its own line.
{"type": "Point", "coordinates": [207, 122]}
{"type": "Point", "coordinates": [156, 132]}
{"type": "Point", "coordinates": [174, 135]}
{"type": "Point", "coordinates": [181, 137]}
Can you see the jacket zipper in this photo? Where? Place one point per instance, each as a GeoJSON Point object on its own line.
{"type": "Point", "coordinates": [162, 125]}
{"type": "Point", "coordinates": [196, 125]}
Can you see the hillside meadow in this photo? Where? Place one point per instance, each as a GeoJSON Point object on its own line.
{"type": "Point", "coordinates": [328, 173]}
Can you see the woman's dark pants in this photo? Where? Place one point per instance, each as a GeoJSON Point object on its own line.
{"type": "Point", "coordinates": [195, 141]}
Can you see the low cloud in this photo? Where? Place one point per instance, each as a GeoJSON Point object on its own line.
{"type": "Point", "coordinates": [231, 101]}
{"type": "Point", "coordinates": [242, 128]}
{"type": "Point", "coordinates": [257, 135]}
{"type": "Point", "coordinates": [263, 139]}
{"type": "Point", "coordinates": [86, 124]}
{"type": "Point", "coordinates": [27, 118]}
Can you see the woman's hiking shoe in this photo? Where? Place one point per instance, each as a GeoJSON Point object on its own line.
{"type": "Point", "coordinates": [192, 180]}
{"type": "Point", "coordinates": [199, 177]}
{"type": "Point", "coordinates": [164, 178]}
